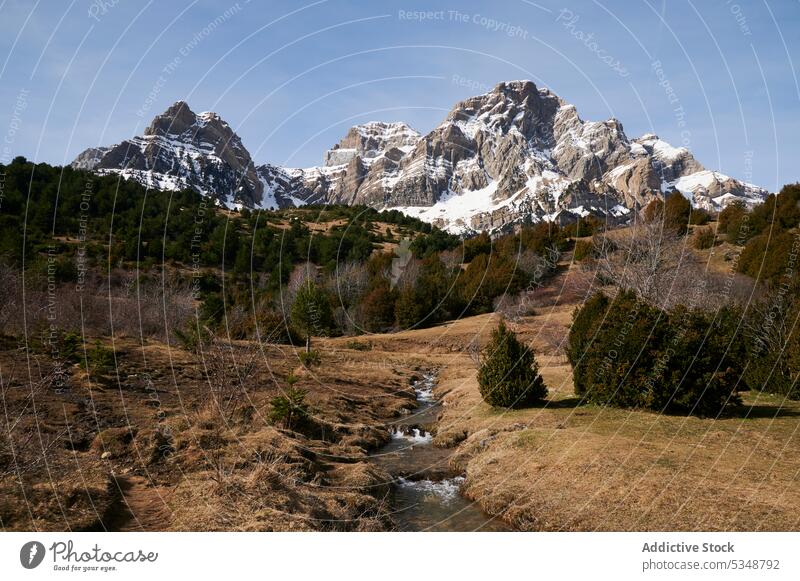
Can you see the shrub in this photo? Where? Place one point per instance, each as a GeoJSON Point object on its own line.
{"type": "Point", "coordinates": [674, 211]}
{"type": "Point", "coordinates": [626, 353]}
{"type": "Point", "coordinates": [310, 358]}
{"type": "Point", "coordinates": [311, 312]}
{"type": "Point", "coordinates": [99, 360]}
{"type": "Point", "coordinates": [583, 249]}
{"type": "Point", "coordinates": [436, 241]}
{"type": "Point", "coordinates": [677, 210]}
{"type": "Point", "coordinates": [699, 217]}
{"type": "Point", "coordinates": [731, 213]}
{"type": "Point", "coordinates": [583, 227]}
{"type": "Point", "coordinates": [358, 346]}
{"type": "Point", "coordinates": [734, 222]}
{"type": "Point", "coordinates": [378, 307]}
{"type": "Point", "coordinates": [703, 363]}
{"type": "Point", "coordinates": [585, 324]}
{"type": "Point", "coordinates": [212, 309]}
{"type": "Point", "coordinates": [542, 238]}
{"type": "Point", "coordinates": [767, 258]}
{"type": "Point", "coordinates": [653, 211]}
{"type": "Point", "coordinates": [509, 375]}
{"type": "Point", "coordinates": [272, 327]}
{"type": "Point", "coordinates": [480, 244]}
{"type": "Point", "coordinates": [486, 278]}
{"type": "Point", "coordinates": [408, 309]}
{"type": "Point", "coordinates": [194, 336]}
{"type": "Point", "coordinates": [780, 211]}
{"type": "Point", "coordinates": [703, 238]}
{"type": "Point", "coordinates": [64, 345]}
{"type": "Point", "coordinates": [290, 409]}
{"type": "Point", "coordinates": [613, 358]}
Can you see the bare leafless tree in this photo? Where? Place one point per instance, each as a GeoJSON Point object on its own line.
{"type": "Point", "coordinates": [299, 276]}
{"type": "Point", "coordinates": [535, 266]}
{"type": "Point", "coordinates": [348, 283]}
{"type": "Point", "coordinates": [653, 262]}
{"type": "Point", "coordinates": [769, 325]}
{"type": "Point", "coordinates": [474, 351]}
{"type": "Point", "coordinates": [452, 259]}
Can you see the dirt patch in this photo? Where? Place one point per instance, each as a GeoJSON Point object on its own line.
{"type": "Point", "coordinates": [141, 506]}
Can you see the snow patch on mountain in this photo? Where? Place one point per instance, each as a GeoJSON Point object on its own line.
{"type": "Point", "coordinates": [454, 210]}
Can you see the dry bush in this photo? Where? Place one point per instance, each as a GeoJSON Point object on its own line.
{"type": "Point", "coordinates": [703, 238]}
{"type": "Point", "coordinates": [350, 321]}
{"type": "Point", "coordinates": [348, 283]}
{"type": "Point", "coordinates": [452, 259]}
{"type": "Point", "coordinates": [24, 449]}
{"type": "Point", "coordinates": [39, 486]}
{"type": "Point", "coordinates": [657, 265]}
{"type": "Point", "coordinates": [238, 322]}
{"type": "Point", "coordinates": [230, 371]}
{"type": "Point", "coordinates": [575, 287]}
{"type": "Point", "coordinates": [513, 307]}
{"type": "Point", "coordinates": [152, 308]}
{"type": "Point", "coordinates": [535, 266]}
{"type": "Point", "coordinates": [118, 303]}
{"type": "Point", "coordinates": [266, 482]}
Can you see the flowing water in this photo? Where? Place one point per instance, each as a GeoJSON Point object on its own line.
{"type": "Point", "coordinates": [427, 493]}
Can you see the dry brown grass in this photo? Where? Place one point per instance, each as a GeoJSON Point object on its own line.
{"type": "Point", "coordinates": [569, 467]}
{"type": "Point", "coordinates": [578, 467]}
{"type": "Point", "coordinates": [157, 444]}
{"type": "Point", "coordinates": [188, 456]}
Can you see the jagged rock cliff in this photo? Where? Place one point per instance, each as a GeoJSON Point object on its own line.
{"type": "Point", "coordinates": [181, 149]}
{"type": "Point", "coordinates": [517, 152]}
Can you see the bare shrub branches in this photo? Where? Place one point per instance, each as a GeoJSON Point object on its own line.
{"type": "Point", "coordinates": [658, 265]}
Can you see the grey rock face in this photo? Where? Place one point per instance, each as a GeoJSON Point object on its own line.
{"type": "Point", "coordinates": [89, 158]}
{"type": "Point", "coordinates": [515, 153]}
{"type": "Point", "coordinates": [371, 141]}
{"type": "Point", "coordinates": [529, 155]}
{"type": "Point", "coordinates": [183, 150]}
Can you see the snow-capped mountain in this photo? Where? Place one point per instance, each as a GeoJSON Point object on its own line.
{"type": "Point", "coordinates": [370, 147]}
{"type": "Point", "coordinates": [521, 151]}
{"type": "Point", "coordinates": [516, 152]}
{"type": "Point", "coordinates": [181, 149]}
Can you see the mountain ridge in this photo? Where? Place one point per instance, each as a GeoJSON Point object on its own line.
{"type": "Point", "coordinates": [517, 152]}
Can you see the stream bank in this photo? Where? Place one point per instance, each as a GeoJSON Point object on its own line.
{"type": "Point", "coordinates": [426, 495]}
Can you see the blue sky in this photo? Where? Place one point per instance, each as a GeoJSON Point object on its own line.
{"type": "Point", "coordinates": [291, 76]}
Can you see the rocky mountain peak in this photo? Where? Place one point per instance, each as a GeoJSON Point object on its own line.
{"type": "Point", "coordinates": [514, 153]}
{"type": "Point", "coordinates": [371, 141]}
{"type": "Point", "coordinates": [181, 149]}
{"type": "Point", "coordinates": [176, 120]}
{"type": "Point", "coordinates": [512, 106]}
